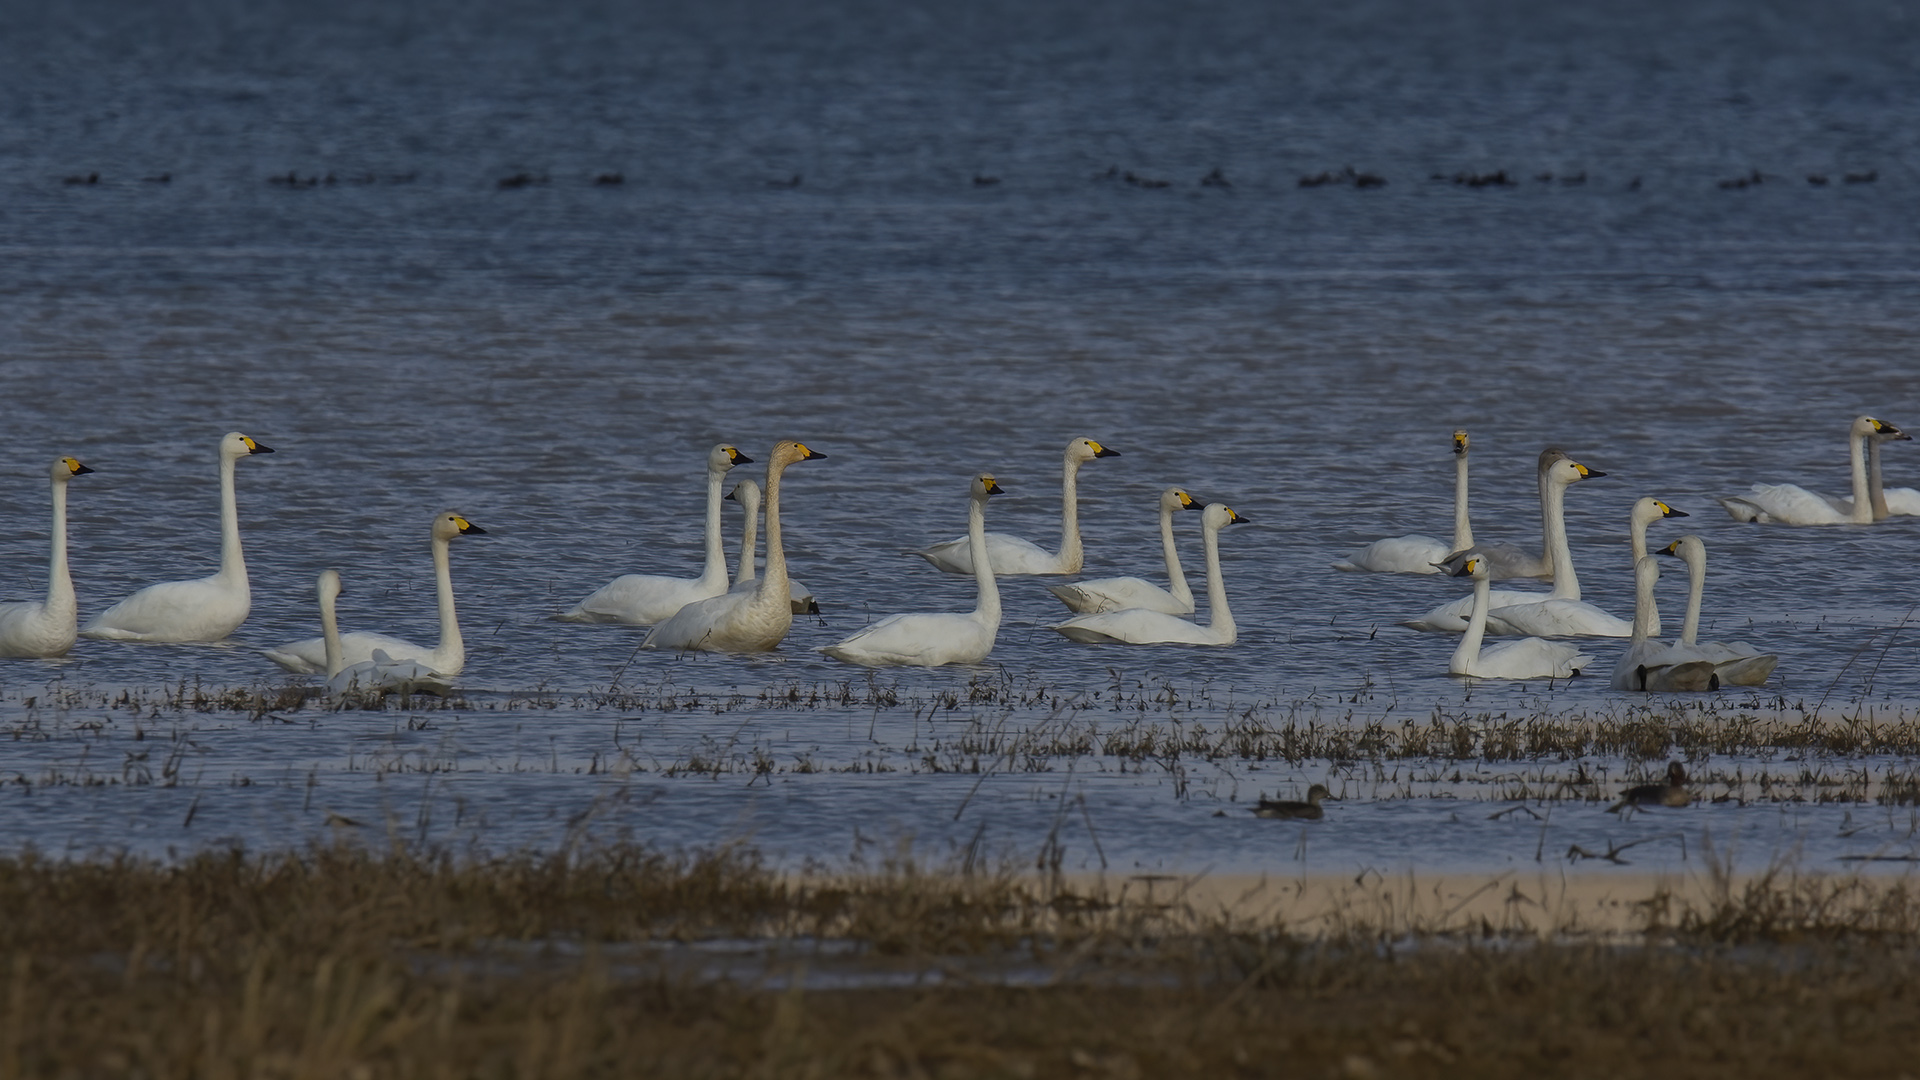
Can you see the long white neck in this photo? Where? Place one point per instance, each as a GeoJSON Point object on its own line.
{"type": "Point", "coordinates": [1696, 585]}
{"type": "Point", "coordinates": [233, 566]}
{"type": "Point", "coordinates": [775, 582]}
{"type": "Point", "coordinates": [60, 599]}
{"type": "Point", "coordinates": [749, 535]}
{"type": "Point", "coordinates": [715, 575]}
{"type": "Point", "coordinates": [1071, 554]}
{"type": "Point", "coordinates": [452, 653]}
{"type": "Point", "coordinates": [1462, 528]}
{"type": "Point", "coordinates": [1547, 517]}
{"type": "Point", "coordinates": [1862, 496]}
{"type": "Point", "coordinates": [1219, 618]}
{"type": "Point", "coordinates": [988, 609]}
{"type": "Point", "coordinates": [1553, 500]}
{"type": "Point", "coordinates": [1646, 612]}
{"type": "Point", "coordinates": [1879, 492]}
{"type": "Point", "coordinates": [1637, 536]}
{"type": "Point", "coordinates": [330, 635]}
{"type": "Point", "coordinates": [1176, 576]}
{"type": "Point", "coordinates": [1466, 655]}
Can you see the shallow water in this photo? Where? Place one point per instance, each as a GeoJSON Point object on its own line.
{"type": "Point", "coordinates": [553, 359]}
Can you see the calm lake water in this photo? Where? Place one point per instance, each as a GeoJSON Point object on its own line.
{"type": "Point", "coordinates": [375, 237]}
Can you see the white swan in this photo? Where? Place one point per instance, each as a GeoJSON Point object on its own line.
{"type": "Point", "coordinates": [1012, 555]}
{"type": "Point", "coordinates": [1651, 664]}
{"type": "Point", "coordinates": [645, 599]}
{"type": "Point", "coordinates": [1417, 554]}
{"type": "Point", "coordinates": [42, 628]}
{"type": "Point", "coordinates": [1118, 594]}
{"type": "Point", "coordinates": [204, 609]}
{"type": "Point", "coordinates": [379, 674]}
{"type": "Point", "coordinates": [1560, 471]}
{"type": "Point", "coordinates": [1791, 504]}
{"type": "Point", "coordinates": [309, 657]}
{"type": "Point", "coordinates": [1737, 663]}
{"type": "Point", "coordinates": [1138, 626]}
{"type": "Point", "coordinates": [932, 640]}
{"type": "Point", "coordinates": [1527, 658]}
{"type": "Point", "coordinates": [1508, 561]}
{"type": "Point", "coordinates": [747, 494]}
{"type": "Point", "coordinates": [1557, 616]}
{"type": "Point", "coordinates": [1900, 502]}
{"type": "Point", "coordinates": [752, 621]}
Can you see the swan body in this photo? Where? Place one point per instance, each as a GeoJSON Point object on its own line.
{"type": "Point", "coordinates": [1736, 663]}
{"type": "Point", "coordinates": [1650, 664]}
{"type": "Point", "coordinates": [43, 628]}
{"type": "Point", "coordinates": [935, 639]}
{"type": "Point", "coordinates": [310, 656]}
{"type": "Point", "coordinates": [1419, 554]}
{"type": "Point", "coordinates": [378, 674]}
{"type": "Point", "coordinates": [645, 599]}
{"type": "Point", "coordinates": [1508, 561]}
{"type": "Point", "coordinates": [1118, 594]}
{"type": "Point", "coordinates": [1139, 626]}
{"type": "Point", "coordinates": [1013, 555]}
{"type": "Point", "coordinates": [204, 609]}
{"type": "Point", "coordinates": [754, 620]}
{"type": "Point", "coordinates": [747, 494]}
{"type": "Point", "coordinates": [1557, 473]}
{"type": "Point", "coordinates": [1791, 504]}
{"type": "Point", "coordinates": [1527, 658]}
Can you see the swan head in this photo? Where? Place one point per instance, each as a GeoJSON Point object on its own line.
{"type": "Point", "coordinates": [1474, 566]}
{"type": "Point", "coordinates": [1867, 426]}
{"type": "Point", "coordinates": [724, 457]}
{"type": "Point", "coordinates": [328, 586]}
{"type": "Point", "coordinates": [1550, 455]}
{"type": "Point", "coordinates": [449, 525]}
{"type": "Point", "coordinates": [1084, 449]}
{"type": "Point", "coordinates": [1688, 549]}
{"type": "Point", "coordinates": [983, 486]}
{"type": "Point", "coordinates": [1565, 470]}
{"type": "Point", "coordinates": [1175, 499]}
{"type": "Point", "coordinates": [1649, 509]}
{"type": "Point", "coordinates": [1646, 572]}
{"type": "Point", "coordinates": [788, 451]}
{"type": "Point", "coordinates": [1460, 442]}
{"type": "Point", "coordinates": [66, 468]}
{"type": "Point", "coordinates": [1219, 516]}
{"type": "Point", "coordinates": [235, 446]}
{"type": "Point", "coordinates": [747, 494]}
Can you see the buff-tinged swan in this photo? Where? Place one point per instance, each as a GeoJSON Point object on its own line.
{"type": "Point", "coordinates": [1508, 561]}
{"type": "Point", "coordinates": [645, 599]}
{"type": "Point", "coordinates": [1416, 554]}
{"type": "Point", "coordinates": [1560, 472]}
{"type": "Point", "coordinates": [1527, 658]}
{"type": "Point", "coordinates": [1118, 594]}
{"type": "Point", "coordinates": [1791, 504]}
{"type": "Point", "coordinates": [1651, 664]}
{"type": "Point", "coordinates": [1737, 663]}
{"type": "Point", "coordinates": [204, 609]}
{"type": "Point", "coordinates": [934, 639]}
{"type": "Point", "coordinates": [309, 657]}
{"type": "Point", "coordinates": [1138, 626]}
{"type": "Point", "coordinates": [42, 628]}
{"type": "Point", "coordinates": [747, 494]}
{"type": "Point", "coordinates": [1011, 554]}
{"type": "Point", "coordinates": [752, 621]}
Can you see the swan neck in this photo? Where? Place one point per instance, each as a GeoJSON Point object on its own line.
{"type": "Point", "coordinates": [716, 571]}
{"type": "Point", "coordinates": [330, 636]}
{"type": "Point", "coordinates": [60, 598]}
{"type": "Point", "coordinates": [1219, 617]}
{"type": "Point", "coordinates": [1646, 612]}
{"type": "Point", "coordinates": [233, 565]}
{"type": "Point", "coordinates": [1874, 485]}
{"type": "Point", "coordinates": [1466, 655]}
{"type": "Point", "coordinates": [775, 580]}
{"type": "Point", "coordinates": [1862, 497]}
{"type": "Point", "coordinates": [1696, 586]}
{"type": "Point", "coordinates": [1071, 553]}
{"type": "Point", "coordinates": [1462, 527]}
{"type": "Point", "coordinates": [1176, 575]}
{"type": "Point", "coordinates": [749, 537]}
{"type": "Point", "coordinates": [988, 608]}
{"type": "Point", "coordinates": [451, 643]}
{"type": "Point", "coordinates": [1553, 504]}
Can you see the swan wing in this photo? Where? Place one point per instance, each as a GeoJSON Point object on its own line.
{"type": "Point", "coordinates": [1557, 618]}
{"type": "Point", "coordinates": [1451, 617]}
{"type": "Point", "coordinates": [28, 629]}
{"type": "Point", "coordinates": [1529, 658]}
{"type": "Point", "coordinates": [1009, 555]}
{"type": "Point", "coordinates": [642, 599]}
{"type": "Point", "coordinates": [1138, 626]}
{"type": "Point", "coordinates": [205, 609]}
{"type": "Point", "coordinates": [922, 640]}
{"type": "Point", "coordinates": [1396, 555]}
{"type": "Point", "coordinates": [1118, 594]}
{"type": "Point", "coordinates": [1784, 504]}
{"type": "Point", "coordinates": [1506, 562]}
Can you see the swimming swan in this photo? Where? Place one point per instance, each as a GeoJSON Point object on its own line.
{"type": "Point", "coordinates": [932, 640]}
{"type": "Point", "coordinates": [1651, 664]}
{"type": "Point", "coordinates": [1508, 561]}
{"type": "Point", "coordinates": [204, 609]}
{"type": "Point", "coordinates": [1560, 472]}
{"type": "Point", "coordinates": [1417, 554]}
{"type": "Point", "coordinates": [1012, 555]}
{"type": "Point", "coordinates": [1527, 658]}
{"type": "Point", "coordinates": [1901, 502]}
{"type": "Point", "coordinates": [645, 599]}
{"type": "Point", "coordinates": [1791, 504]}
{"type": "Point", "coordinates": [380, 674]}
{"type": "Point", "coordinates": [747, 494]}
{"type": "Point", "coordinates": [309, 657]}
{"type": "Point", "coordinates": [1557, 616]}
{"type": "Point", "coordinates": [1120, 593]}
{"type": "Point", "coordinates": [41, 628]}
{"type": "Point", "coordinates": [1138, 626]}
{"type": "Point", "coordinates": [752, 621]}
{"type": "Point", "coordinates": [1737, 663]}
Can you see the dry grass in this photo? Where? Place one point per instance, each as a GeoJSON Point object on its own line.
{"type": "Point", "coordinates": [343, 962]}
